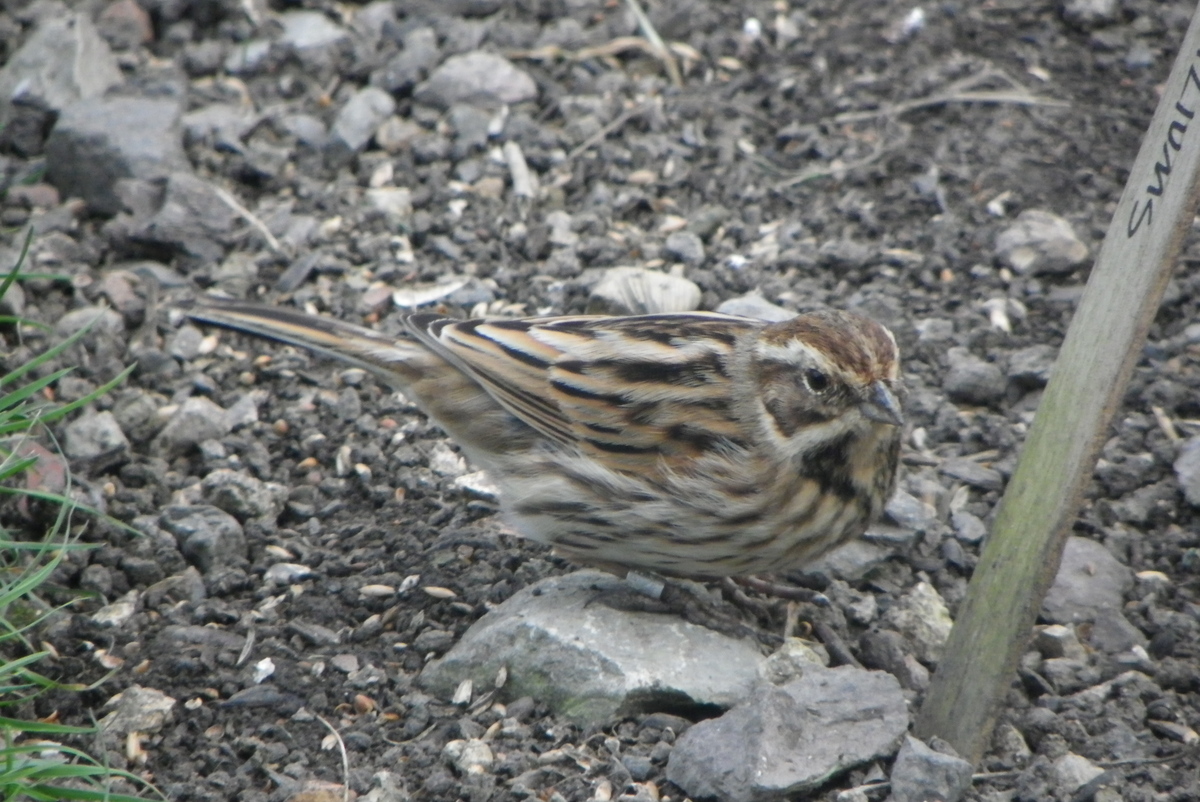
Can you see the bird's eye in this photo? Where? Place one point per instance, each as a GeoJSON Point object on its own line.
{"type": "Point", "coordinates": [817, 381]}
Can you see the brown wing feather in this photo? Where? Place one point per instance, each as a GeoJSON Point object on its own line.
{"type": "Point", "coordinates": [632, 393]}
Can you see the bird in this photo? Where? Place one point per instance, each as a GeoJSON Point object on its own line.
{"type": "Point", "coordinates": [691, 445]}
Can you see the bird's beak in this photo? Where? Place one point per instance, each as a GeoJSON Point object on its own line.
{"type": "Point", "coordinates": [881, 405]}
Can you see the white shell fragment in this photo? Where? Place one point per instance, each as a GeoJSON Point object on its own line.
{"type": "Point", "coordinates": [637, 291]}
{"type": "Point", "coordinates": [421, 294]}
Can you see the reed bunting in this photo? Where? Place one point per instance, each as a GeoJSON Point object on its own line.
{"type": "Point", "coordinates": [693, 445]}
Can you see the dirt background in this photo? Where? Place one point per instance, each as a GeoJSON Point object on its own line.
{"type": "Point", "coordinates": [887, 213]}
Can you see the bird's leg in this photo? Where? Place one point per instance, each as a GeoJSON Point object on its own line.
{"type": "Point", "coordinates": [651, 593]}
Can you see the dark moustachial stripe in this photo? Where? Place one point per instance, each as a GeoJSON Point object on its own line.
{"type": "Point", "coordinates": [829, 466]}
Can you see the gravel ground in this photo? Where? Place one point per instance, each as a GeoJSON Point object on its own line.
{"type": "Point", "coordinates": [329, 155]}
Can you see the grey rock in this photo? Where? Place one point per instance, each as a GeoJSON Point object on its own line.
{"type": "Point", "coordinates": [787, 740]}
{"type": "Point", "coordinates": [307, 30]}
{"type": "Point", "coordinates": [972, 473]}
{"type": "Point", "coordinates": [972, 380]}
{"type": "Point", "coordinates": [886, 650]}
{"type": "Point", "coordinates": [1187, 470]}
{"type": "Point", "coordinates": [98, 141]}
{"type": "Point", "coordinates": [63, 61]}
{"type": "Point", "coordinates": [1057, 640]}
{"type": "Point", "coordinates": [852, 561]}
{"type": "Point", "coordinates": [307, 129]}
{"type": "Point", "coordinates": [97, 319]}
{"type": "Point", "coordinates": [921, 616]}
{"type": "Point", "coordinates": [197, 419]}
{"type": "Point", "coordinates": [192, 219]}
{"type": "Point", "coordinates": [410, 66]}
{"type": "Point", "coordinates": [207, 537]}
{"type": "Point", "coordinates": [588, 661]}
{"type": "Point", "coordinates": [1040, 242]}
{"type": "Point", "coordinates": [1030, 367]}
{"type": "Point", "coordinates": [967, 527]}
{"type": "Point", "coordinates": [241, 495]}
{"type": "Point", "coordinates": [1112, 632]}
{"type": "Point", "coordinates": [637, 291]}
{"type": "Point", "coordinates": [138, 709]}
{"type": "Point", "coordinates": [356, 122]}
{"type": "Point", "coordinates": [137, 413]}
{"type": "Point", "coordinates": [910, 512]}
{"type": "Point", "coordinates": [1073, 771]}
{"type": "Point", "coordinates": [247, 58]}
{"type": "Point", "coordinates": [220, 125]}
{"type": "Point", "coordinates": [185, 342]}
{"type": "Point", "coordinates": [935, 330]}
{"type": "Point", "coordinates": [755, 306]}
{"type": "Point", "coordinates": [97, 438]}
{"type": "Point", "coordinates": [1090, 13]}
{"type": "Point", "coordinates": [921, 773]}
{"type": "Point", "coordinates": [474, 77]}
{"type": "Point", "coordinates": [1089, 580]}
{"type": "Point", "coordinates": [685, 247]}
{"type": "Point", "coordinates": [97, 578]}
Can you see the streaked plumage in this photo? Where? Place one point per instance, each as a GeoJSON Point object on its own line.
{"type": "Point", "coordinates": [694, 445]}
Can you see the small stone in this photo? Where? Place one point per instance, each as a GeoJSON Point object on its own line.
{"type": "Point", "coordinates": [1089, 580]}
{"type": "Point", "coordinates": [472, 76]}
{"type": "Point", "coordinates": [1112, 632]}
{"type": "Point", "coordinates": [1073, 771]}
{"type": "Point", "coordinates": [685, 247]}
{"type": "Point", "coordinates": [786, 741]}
{"type": "Point", "coordinates": [138, 709]}
{"type": "Point", "coordinates": [1030, 367]}
{"type": "Point", "coordinates": [972, 380]}
{"type": "Point", "coordinates": [1187, 470]}
{"type": "Point", "coordinates": [241, 495]}
{"type": "Point", "coordinates": [357, 121]}
{"type": "Point", "coordinates": [96, 438]}
{"type": "Point", "coordinates": [921, 616]}
{"type": "Point", "coordinates": [197, 419]}
{"type": "Point", "coordinates": [967, 527]}
{"type": "Point", "coordinates": [920, 773]}
{"type": "Point", "coordinates": [1057, 640]}
{"type": "Point", "coordinates": [207, 537]}
{"type": "Point", "coordinates": [1040, 242]}
{"type": "Point", "coordinates": [755, 306]}
{"type": "Point", "coordinates": [974, 474]}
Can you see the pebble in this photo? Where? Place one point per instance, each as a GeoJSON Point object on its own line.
{"type": "Point", "coordinates": [584, 659]}
{"type": "Point", "coordinates": [921, 616]}
{"type": "Point", "coordinates": [921, 773]}
{"type": "Point", "coordinates": [357, 121]}
{"type": "Point", "coordinates": [1089, 580]}
{"type": "Point", "coordinates": [1040, 243]}
{"type": "Point", "coordinates": [208, 537]}
{"type": "Point", "coordinates": [787, 740]}
{"type": "Point", "coordinates": [753, 305]}
{"type": "Point", "coordinates": [1187, 470]}
{"type": "Point", "coordinates": [470, 76]}
{"type": "Point", "coordinates": [96, 437]}
{"type": "Point", "coordinates": [686, 247]}
{"type": "Point", "coordinates": [972, 380]}
{"type": "Point", "coordinates": [197, 419]}
{"type": "Point", "coordinates": [93, 144]}
{"type": "Point", "coordinates": [63, 60]}
{"type": "Point", "coordinates": [138, 709]}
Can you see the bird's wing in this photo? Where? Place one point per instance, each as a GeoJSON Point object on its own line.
{"type": "Point", "coordinates": [629, 392]}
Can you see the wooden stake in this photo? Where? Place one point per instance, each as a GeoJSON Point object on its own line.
{"type": "Point", "coordinates": [1102, 345]}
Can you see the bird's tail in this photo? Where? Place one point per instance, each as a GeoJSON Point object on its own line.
{"type": "Point", "coordinates": [398, 359]}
